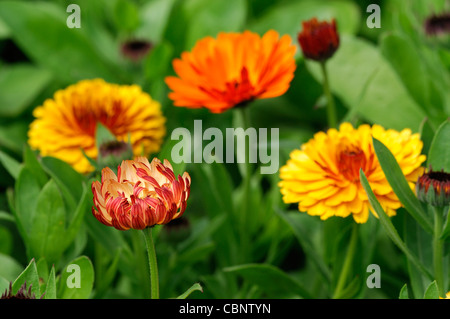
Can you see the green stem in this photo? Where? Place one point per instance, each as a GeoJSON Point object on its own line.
{"type": "Point", "coordinates": [154, 280]}
{"type": "Point", "coordinates": [347, 262]}
{"type": "Point", "coordinates": [246, 184]}
{"type": "Point", "coordinates": [331, 107]}
{"type": "Point", "coordinates": [438, 245]}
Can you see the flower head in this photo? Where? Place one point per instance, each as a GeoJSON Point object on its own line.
{"type": "Point", "coordinates": [22, 293]}
{"type": "Point", "coordinates": [232, 70]}
{"type": "Point", "coordinates": [135, 50]}
{"type": "Point", "coordinates": [323, 176]}
{"type": "Point", "coordinates": [141, 195]}
{"type": "Point", "coordinates": [433, 187]}
{"type": "Point", "coordinates": [66, 124]}
{"type": "Point", "coordinates": [318, 40]}
{"type": "Point", "coordinates": [438, 24]}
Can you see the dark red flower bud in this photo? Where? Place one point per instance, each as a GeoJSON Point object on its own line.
{"type": "Point", "coordinates": [318, 40]}
{"type": "Point", "coordinates": [433, 188]}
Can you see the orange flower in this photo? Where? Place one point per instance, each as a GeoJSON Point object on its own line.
{"type": "Point", "coordinates": [232, 70]}
{"type": "Point", "coordinates": [141, 195]}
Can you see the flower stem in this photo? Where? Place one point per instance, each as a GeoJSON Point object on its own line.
{"type": "Point", "coordinates": [154, 280]}
{"type": "Point", "coordinates": [347, 262]}
{"type": "Point", "coordinates": [331, 107]}
{"type": "Point", "coordinates": [438, 245]}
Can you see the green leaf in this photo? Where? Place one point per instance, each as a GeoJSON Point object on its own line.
{"type": "Point", "coordinates": [29, 276]}
{"type": "Point", "coordinates": [12, 166]}
{"type": "Point", "coordinates": [40, 30]}
{"type": "Point", "coordinates": [301, 230]}
{"type": "Point", "coordinates": [26, 193]}
{"type": "Point", "coordinates": [47, 234]}
{"type": "Point", "coordinates": [270, 279]}
{"type": "Point", "coordinates": [426, 135]}
{"type": "Point", "coordinates": [446, 230]}
{"type": "Point", "coordinates": [400, 186]}
{"type": "Point", "coordinates": [32, 163]}
{"type": "Point", "coordinates": [50, 290]}
{"type": "Point", "coordinates": [10, 268]}
{"type": "Point", "coordinates": [439, 154]}
{"type": "Point", "coordinates": [432, 291]}
{"type": "Point", "coordinates": [194, 287]}
{"type": "Point", "coordinates": [69, 181]}
{"type": "Point", "coordinates": [286, 18]}
{"type": "Point", "coordinates": [154, 16]}
{"type": "Point", "coordinates": [126, 15]}
{"type": "Point", "coordinates": [404, 292]}
{"type": "Point", "coordinates": [386, 222]}
{"type": "Point", "coordinates": [406, 61]}
{"type": "Point", "coordinates": [77, 279]}
{"type": "Point", "coordinates": [14, 100]}
{"type": "Point", "coordinates": [372, 89]}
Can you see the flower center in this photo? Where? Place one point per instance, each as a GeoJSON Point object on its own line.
{"type": "Point", "coordinates": [350, 161]}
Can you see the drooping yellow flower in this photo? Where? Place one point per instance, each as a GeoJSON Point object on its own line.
{"type": "Point", "coordinates": [323, 176]}
{"type": "Point", "coordinates": [67, 123]}
{"type": "Point", "coordinates": [141, 195]}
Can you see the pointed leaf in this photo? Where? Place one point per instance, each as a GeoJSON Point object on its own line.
{"type": "Point", "coordinates": [29, 276]}
{"type": "Point", "coordinates": [400, 186]}
{"type": "Point", "coordinates": [432, 291]}
{"type": "Point", "coordinates": [194, 287]}
{"type": "Point", "coordinates": [404, 292]}
{"type": "Point", "coordinates": [439, 155]}
{"type": "Point", "coordinates": [50, 290]}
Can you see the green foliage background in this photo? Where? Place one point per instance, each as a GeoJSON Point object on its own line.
{"type": "Point", "coordinates": [395, 76]}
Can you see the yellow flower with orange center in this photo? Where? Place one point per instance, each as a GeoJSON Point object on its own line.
{"type": "Point", "coordinates": [141, 195]}
{"type": "Point", "coordinates": [323, 176]}
{"type": "Point", "coordinates": [232, 70]}
{"type": "Point", "coordinates": [66, 124]}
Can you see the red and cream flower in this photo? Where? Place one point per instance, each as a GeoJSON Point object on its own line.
{"type": "Point", "coordinates": [141, 195]}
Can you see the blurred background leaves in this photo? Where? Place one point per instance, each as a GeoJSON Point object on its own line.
{"type": "Point", "coordinates": [395, 76]}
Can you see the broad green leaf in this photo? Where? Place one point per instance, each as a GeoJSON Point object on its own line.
{"type": "Point", "coordinates": [32, 163]}
{"type": "Point", "coordinates": [287, 17]}
{"type": "Point", "coordinates": [388, 226]}
{"type": "Point", "coordinates": [77, 279]}
{"type": "Point", "coordinates": [69, 181]}
{"type": "Point", "coordinates": [50, 290]}
{"type": "Point", "coordinates": [4, 285]}
{"type": "Point", "coordinates": [400, 185]}
{"type": "Point", "coordinates": [208, 18]}
{"type": "Point", "coordinates": [10, 268]}
{"type": "Point", "coordinates": [26, 194]}
{"type": "Point", "coordinates": [14, 100]}
{"type": "Point", "coordinates": [47, 233]}
{"type": "Point", "coordinates": [406, 61]}
{"type": "Point", "coordinates": [29, 276]}
{"type": "Point", "coordinates": [11, 165]}
{"type": "Point", "coordinates": [126, 15]}
{"type": "Point", "coordinates": [154, 16]}
{"type": "Point", "coordinates": [40, 30]}
{"type": "Point", "coordinates": [404, 293]}
{"type": "Point", "coordinates": [74, 224]}
{"type": "Point", "coordinates": [371, 89]}
{"type": "Point", "coordinates": [432, 291]}
{"type": "Point", "coordinates": [439, 154]}
{"type": "Point", "coordinates": [303, 234]}
{"type": "Point", "coordinates": [194, 287]}
{"type": "Point", "coordinates": [426, 135]}
{"type": "Point", "coordinates": [270, 279]}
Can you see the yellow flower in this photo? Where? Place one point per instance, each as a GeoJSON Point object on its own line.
{"type": "Point", "coordinates": [323, 176]}
{"type": "Point", "coordinates": [447, 296]}
{"type": "Point", "coordinates": [66, 124]}
{"type": "Point", "coordinates": [141, 195]}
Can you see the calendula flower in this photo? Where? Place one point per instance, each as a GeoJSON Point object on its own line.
{"type": "Point", "coordinates": [438, 24]}
{"type": "Point", "coordinates": [447, 296]}
{"type": "Point", "coordinates": [433, 187]}
{"type": "Point", "coordinates": [232, 70]}
{"type": "Point", "coordinates": [66, 124]}
{"type": "Point", "coordinates": [141, 195]}
{"type": "Point", "coordinates": [136, 50]}
{"type": "Point", "coordinates": [22, 293]}
{"type": "Point", "coordinates": [323, 176]}
{"type": "Point", "coordinates": [318, 40]}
